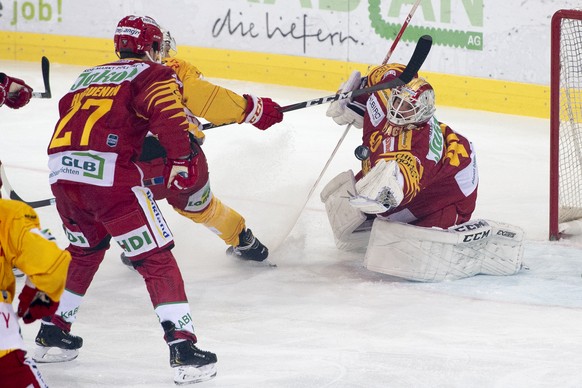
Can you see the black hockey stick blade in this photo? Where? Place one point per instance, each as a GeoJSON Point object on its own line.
{"type": "Point", "coordinates": [33, 204]}
{"type": "Point", "coordinates": [414, 64]}
{"type": "Point", "coordinates": [13, 195]}
{"type": "Point", "coordinates": [418, 56]}
{"type": "Point", "coordinates": [45, 64]}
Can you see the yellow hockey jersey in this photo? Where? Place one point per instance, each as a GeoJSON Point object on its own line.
{"type": "Point", "coordinates": [25, 246]}
{"type": "Point", "coordinates": [214, 103]}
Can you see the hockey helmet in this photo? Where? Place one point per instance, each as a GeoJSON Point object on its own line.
{"type": "Point", "coordinates": [138, 35]}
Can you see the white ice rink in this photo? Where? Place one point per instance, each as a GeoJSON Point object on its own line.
{"type": "Point", "coordinates": [320, 319]}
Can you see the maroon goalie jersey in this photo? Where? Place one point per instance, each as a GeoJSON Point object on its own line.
{"type": "Point", "coordinates": [437, 165]}
{"type": "Point", "coordinates": [106, 115]}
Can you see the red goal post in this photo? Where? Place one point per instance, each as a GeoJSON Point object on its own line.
{"type": "Point", "coordinates": [565, 120]}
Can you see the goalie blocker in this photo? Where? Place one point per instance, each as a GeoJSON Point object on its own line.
{"type": "Point", "coordinates": [418, 253]}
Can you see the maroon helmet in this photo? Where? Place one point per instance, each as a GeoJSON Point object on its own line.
{"type": "Point", "coordinates": [138, 35]}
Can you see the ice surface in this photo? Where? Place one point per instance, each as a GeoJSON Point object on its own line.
{"type": "Point", "coordinates": [320, 319]}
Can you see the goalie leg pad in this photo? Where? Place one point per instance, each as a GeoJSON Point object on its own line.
{"type": "Point", "coordinates": [433, 254]}
{"type": "Point", "coordinates": [345, 220]}
{"type": "Point", "coordinates": [503, 253]}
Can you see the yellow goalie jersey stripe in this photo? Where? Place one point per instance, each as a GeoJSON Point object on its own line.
{"type": "Point", "coordinates": [214, 103]}
{"type": "Point", "coordinates": [25, 246]}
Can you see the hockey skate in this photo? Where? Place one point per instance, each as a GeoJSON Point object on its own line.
{"type": "Point", "coordinates": [250, 248]}
{"type": "Point", "coordinates": [55, 345]}
{"type": "Point", "coordinates": [191, 365]}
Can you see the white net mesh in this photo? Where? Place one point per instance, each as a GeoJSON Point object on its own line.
{"type": "Point", "coordinates": [570, 131]}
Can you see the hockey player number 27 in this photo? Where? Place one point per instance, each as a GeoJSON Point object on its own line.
{"type": "Point", "coordinates": [64, 139]}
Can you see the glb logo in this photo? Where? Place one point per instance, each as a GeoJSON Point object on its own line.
{"type": "Point", "coordinates": [91, 165]}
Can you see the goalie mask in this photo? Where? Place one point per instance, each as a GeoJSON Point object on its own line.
{"type": "Point", "coordinates": [411, 106]}
{"type": "Point", "coordinates": [137, 35]}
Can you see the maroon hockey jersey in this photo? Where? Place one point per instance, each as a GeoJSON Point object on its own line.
{"type": "Point", "coordinates": [106, 115]}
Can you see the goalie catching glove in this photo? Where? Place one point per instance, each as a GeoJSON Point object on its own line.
{"type": "Point", "coordinates": [348, 111]}
{"type": "Point", "coordinates": [14, 92]}
{"type": "Point", "coordinates": [34, 304]}
{"type": "Point", "coordinates": [262, 112]}
{"type": "Point", "coordinates": [181, 174]}
{"type": "Point", "coordinates": [379, 190]}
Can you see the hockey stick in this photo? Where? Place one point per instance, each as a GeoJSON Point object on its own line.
{"type": "Point", "coordinates": [13, 195]}
{"type": "Point", "coordinates": [418, 57]}
{"type": "Point", "coordinates": [397, 39]}
{"type": "Point", "coordinates": [45, 66]}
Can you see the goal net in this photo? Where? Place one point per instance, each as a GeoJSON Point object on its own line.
{"type": "Point", "coordinates": [565, 120]}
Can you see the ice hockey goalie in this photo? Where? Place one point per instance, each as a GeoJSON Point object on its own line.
{"type": "Point", "coordinates": [476, 247]}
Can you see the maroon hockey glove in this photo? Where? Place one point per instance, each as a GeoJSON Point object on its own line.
{"type": "Point", "coordinates": [18, 93]}
{"type": "Point", "coordinates": [262, 112]}
{"type": "Point", "coordinates": [35, 304]}
{"type": "Point", "coordinates": [181, 174]}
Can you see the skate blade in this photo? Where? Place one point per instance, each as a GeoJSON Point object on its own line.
{"type": "Point", "coordinates": [46, 355]}
{"type": "Point", "coordinates": [267, 263]}
{"type": "Point", "coordinates": [191, 375]}
{"type": "Point", "coordinates": [253, 263]}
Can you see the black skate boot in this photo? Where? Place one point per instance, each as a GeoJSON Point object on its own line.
{"type": "Point", "coordinates": [55, 344]}
{"type": "Point", "coordinates": [249, 247]}
{"type": "Point", "coordinates": [191, 364]}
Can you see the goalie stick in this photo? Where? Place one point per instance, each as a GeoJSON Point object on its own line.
{"type": "Point", "coordinates": [13, 195]}
{"type": "Point", "coordinates": [45, 66]}
{"type": "Point", "coordinates": [420, 53]}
